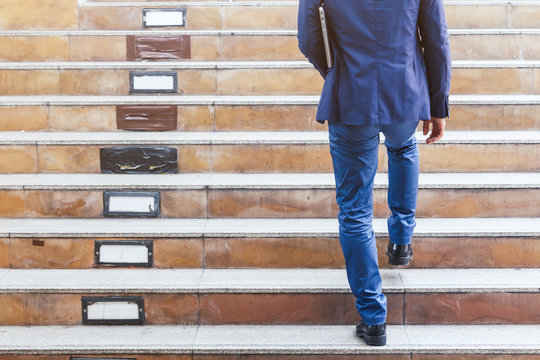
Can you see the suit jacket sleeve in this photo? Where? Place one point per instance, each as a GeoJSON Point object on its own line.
{"type": "Point", "coordinates": [434, 36]}
{"type": "Point", "coordinates": [310, 40]}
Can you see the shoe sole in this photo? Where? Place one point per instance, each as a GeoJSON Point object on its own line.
{"type": "Point", "coordinates": [374, 340]}
{"type": "Point", "coordinates": [398, 260]}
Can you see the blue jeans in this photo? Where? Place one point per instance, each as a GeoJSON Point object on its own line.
{"type": "Point", "coordinates": [354, 150]}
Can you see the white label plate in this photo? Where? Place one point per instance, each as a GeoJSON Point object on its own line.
{"type": "Point", "coordinates": [112, 310]}
{"type": "Point", "coordinates": [137, 204]}
{"type": "Point", "coordinates": [153, 82]}
{"type": "Point", "coordinates": [164, 18]}
{"type": "Point", "coordinates": [123, 254]}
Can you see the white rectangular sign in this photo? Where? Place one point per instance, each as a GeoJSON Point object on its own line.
{"type": "Point", "coordinates": [158, 17]}
{"type": "Point", "coordinates": [132, 204]}
{"type": "Point", "coordinates": [153, 82]}
{"type": "Point", "coordinates": [113, 310]}
{"type": "Point", "coordinates": [123, 254]}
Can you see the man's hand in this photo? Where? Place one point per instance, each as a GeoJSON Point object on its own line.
{"type": "Point", "coordinates": [437, 130]}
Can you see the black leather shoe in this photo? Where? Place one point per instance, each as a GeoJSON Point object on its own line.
{"type": "Point", "coordinates": [399, 254]}
{"type": "Point", "coordinates": [372, 334]}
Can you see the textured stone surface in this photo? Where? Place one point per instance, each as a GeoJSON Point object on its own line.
{"type": "Point", "coordinates": [260, 48]}
{"type": "Point", "coordinates": [38, 14]}
{"type": "Point", "coordinates": [27, 82]}
{"type": "Point", "coordinates": [94, 82]}
{"type": "Point", "coordinates": [487, 308]}
{"type": "Point", "coordinates": [18, 159]}
{"type": "Point", "coordinates": [34, 48]}
{"type": "Point", "coordinates": [98, 48]}
{"type": "Point", "coordinates": [62, 159]}
{"type": "Point", "coordinates": [64, 204]}
{"type": "Point", "coordinates": [288, 309]}
{"type": "Point", "coordinates": [28, 118]}
{"type": "Point", "coordinates": [83, 118]}
{"type": "Point", "coordinates": [482, 47]}
{"type": "Point", "coordinates": [52, 253]}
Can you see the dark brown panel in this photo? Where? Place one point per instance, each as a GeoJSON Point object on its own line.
{"type": "Point", "coordinates": [139, 159]}
{"type": "Point", "coordinates": [146, 117]}
{"type": "Point", "coordinates": [158, 47]}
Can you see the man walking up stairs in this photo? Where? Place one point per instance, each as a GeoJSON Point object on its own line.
{"type": "Point", "coordinates": [161, 167]}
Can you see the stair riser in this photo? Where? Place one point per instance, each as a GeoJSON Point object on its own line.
{"type": "Point", "coordinates": [285, 17]}
{"type": "Point", "coordinates": [244, 81]}
{"type": "Point", "coordinates": [273, 158]}
{"type": "Point", "coordinates": [242, 48]}
{"type": "Point", "coordinates": [414, 356]}
{"type": "Point", "coordinates": [279, 357]}
{"type": "Point", "coordinates": [321, 308]}
{"type": "Point", "coordinates": [318, 252]}
{"type": "Point", "coordinates": [249, 118]}
{"type": "Point", "coordinates": [240, 17]}
{"type": "Point", "coordinates": [287, 203]}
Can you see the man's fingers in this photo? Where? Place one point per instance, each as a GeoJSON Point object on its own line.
{"type": "Point", "coordinates": [426, 127]}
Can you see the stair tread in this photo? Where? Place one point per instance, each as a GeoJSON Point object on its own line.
{"type": "Point", "coordinates": [268, 339]}
{"type": "Point", "coordinates": [201, 181]}
{"type": "Point", "coordinates": [240, 138]}
{"type": "Point", "coordinates": [254, 64]}
{"type": "Point", "coordinates": [218, 228]}
{"type": "Point", "coordinates": [292, 281]}
{"type": "Point", "coordinates": [57, 100]}
{"type": "Point", "coordinates": [234, 32]}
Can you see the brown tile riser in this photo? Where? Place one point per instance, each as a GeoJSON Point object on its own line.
{"type": "Point", "coordinates": [241, 81]}
{"type": "Point", "coordinates": [248, 118]}
{"type": "Point", "coordinates": [237, 47]}
{"type": "Point", "coordinates": [65, 309]}
{"type": "Point", "coordinates": [288, 309]}
{"type": "Point", "coordinates": [150, 117]}
{"type": "Point", "coordinates": [287, 203]}
{"type": "Point", "coordinates": [270, 308]}
{"type": "Point", "coordinates": [154, 356]}
{"type": "Point", "coordinates": [467, 308]}
{"type": "Point", "coordinates": [76, 253]}
{"type": "Point", "coordinates": [298, 357]}
{"type": "Point", "coordinates": [474, 357]}
{"type": "Point", "coordinates": [319, 252]}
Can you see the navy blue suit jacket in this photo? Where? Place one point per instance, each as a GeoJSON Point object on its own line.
{"type": "Point", "coordinates": [391, 59]}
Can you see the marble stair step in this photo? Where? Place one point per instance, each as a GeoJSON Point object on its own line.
{"type": "Point", "coordinates": [236, 78]}
{"type": "Point", "coordinates": [269, 296]}
{"type": "Point", "coordinates": [239, 113]}
{"type": "Point", "coordinates": [283, 14]}
{"type": "Point", "coordinates": [214, 195]}
{"type": "Point", "coordinates": [27, 243]}
{"type": "Point", "coordinates": [253, 152]}
{"type": "Point", "coordinates": [160, 342]}
{"type": "Point", "coordinates": [110, 45]}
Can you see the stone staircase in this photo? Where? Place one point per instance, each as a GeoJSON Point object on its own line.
{"type": "Point", "coordinates": [226, 246]}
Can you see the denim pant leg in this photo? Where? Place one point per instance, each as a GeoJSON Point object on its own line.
{"type": "Point", "coordinates": [403, 172]}
{"type": "Point", "coordinates": [354, 151]}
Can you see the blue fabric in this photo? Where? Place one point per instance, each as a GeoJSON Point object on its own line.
{"type": "Point", "coordinates": [392, 59]}
{"type": "Point", "coordinates": [354, 151]}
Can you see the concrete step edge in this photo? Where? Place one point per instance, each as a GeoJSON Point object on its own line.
{"type": "Point", "coordinates": [267, 339]}
{"type": "Point", "coordinates": [247, 228]}
{"type": "Point", "coordinates": [275, 281]}
{"type": "Point", "coordinates": [258, 3]}
{"type": "Point", "coordinates": [273, 181]}
{"type": "Point", "coordinates": [221, 65]}
{"type": "Point", "coordinates": [247, 100]}
{"type": "Point", "coordinates": [241, 138]}
{"type": "Point", "coordinates": [231, 32]}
